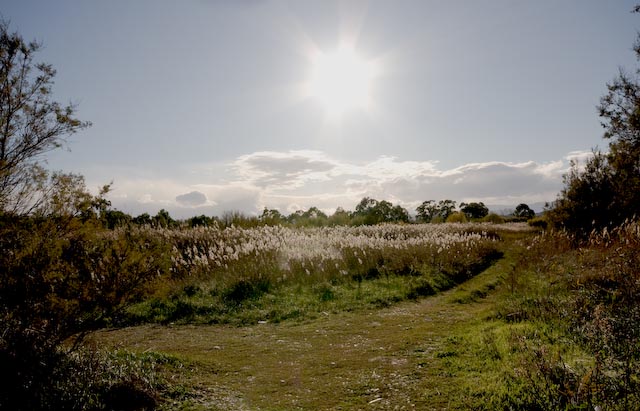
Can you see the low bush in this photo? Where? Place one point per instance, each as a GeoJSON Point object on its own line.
{"type": "Point", "coordinates": [493, 218]}
{"type": "Point", "coordinates": [63, 277]}
{"type": "Point", "coordinates": [590, 295]}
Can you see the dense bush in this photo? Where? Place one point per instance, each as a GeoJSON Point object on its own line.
{"type": "Point", "coordinates": [62, 277]}
{"type": "Point", "coordinates": [589, 305]}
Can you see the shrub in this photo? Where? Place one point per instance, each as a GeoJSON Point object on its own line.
{"type": "Point", "coordinates": [63, 278]}
{"type": "Point", "coordinates": [493, 218]}
{"type": "Point", "coordinates": [457, 217]}
{"type": "Point", "coordinates": [591, 297]}
{"type": "Point", "coordinates": [539, 222]}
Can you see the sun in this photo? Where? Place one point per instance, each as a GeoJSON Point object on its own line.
{"type": "Point", "coordinates": [341, 81]}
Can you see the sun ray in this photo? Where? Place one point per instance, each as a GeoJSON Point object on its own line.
{"type": "Point", "coordinates": [340, 80]}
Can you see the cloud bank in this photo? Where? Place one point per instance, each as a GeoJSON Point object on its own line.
{"type": "Point", "coordinates": [292, 180]}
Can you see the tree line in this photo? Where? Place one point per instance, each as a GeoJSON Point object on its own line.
{"type": "Point", "coordinates": [368, 211]}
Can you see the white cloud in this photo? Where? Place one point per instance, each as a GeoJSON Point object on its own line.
{"type": "Point", "coordinates": [192, 199]}
{"type": "Point", "coordinates": [293, 180]}
{"type": "Point", "coordinates": [290, 169]}
{"type": "Point", "coordinates": [579, 156]}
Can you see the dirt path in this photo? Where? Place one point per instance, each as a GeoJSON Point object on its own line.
{"type": "Point", "coordinates": [403, 357]}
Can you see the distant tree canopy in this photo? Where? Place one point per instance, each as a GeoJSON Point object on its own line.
{"type": "Point", "coordinates": [201, 221]}
{"type": "Point", "coordinates": [371, 211]}
{"type": "Point", "coordinates": [523, 211]}
{"type": "Point", "coordinates": [115, 218]}
{"type": "Point", "coordinates": [312, 217]}
{"type": "Point", "coordinates": [474, 210]}
{"type": "Point", "coordinates": [163, 219]}
{"type": "Point", "coordinates": [271, 217]}
{"type": "Point", "coordinates": [142, 219]}
{"type": "Point", "coordinates": [606, 191]}
{"type": "Point", "coordinates": [368, 211]}
{"type": "Point", "coordinates": [430, 211]}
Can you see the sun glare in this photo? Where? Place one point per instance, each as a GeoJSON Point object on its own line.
{"type": "Point", "coordinates": [341, 81]}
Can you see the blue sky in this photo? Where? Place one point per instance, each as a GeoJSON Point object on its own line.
{"type": "Point", "coordinates": [197, 105]}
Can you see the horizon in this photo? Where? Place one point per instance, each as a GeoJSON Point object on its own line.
{"type": "Point", "coordinates": [205, 107]}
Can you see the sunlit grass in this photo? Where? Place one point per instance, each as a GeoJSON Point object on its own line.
{"type": "Point", "coordinates": [505, 338]}
{"type": "Point", "coordinates": [275, 273]}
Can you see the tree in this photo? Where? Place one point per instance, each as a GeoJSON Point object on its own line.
{"type": "Point", "coordinates": [271, 217]}
{"type": "Point", "coordinates": [474, 210]}
{"type": "Point", "coordinates": [371, 211]}
{"type": "Point", "coordinates": [61, 276]}
{"type": "Point", "coordinates": [587, 201]}
{"type": "Point", "coordinates": [163, 219]}
{"type": "Point", "coordinates": [426, 211]}
{"type": "Point", "coordinates": [445, 208]}
{"type": "Point", "coordinates": [340, 217]}
{"type": "Point", "coordinates": [429, 211]}
{"type": "Point", "coordinates": [31, 123]}
{"type": "Point", "coordinates": [619, 110]}
{"type": "Point", "coordinates": [115, 218]}
{"type": "Point", "coordinates": [366, 212]}
{"type": "Point", "coordinates": [523, 211]}
{"type": "Point", "coordinates": [456, 217]}
{"type": "Point", "coordinates": [143, 219]}
{"type": "Point", "coordinates": [312, 217]}
{"type": "Point", "coordinates": [365, 206]}
{"type": "Point", "coordinates": [399, 214]}
{"type": "Point", "coordinates": [382, 212]}
{"type": "Point", "coordinates": [201, 221]}
{"type": "Point", "coordinates": [607, 191]}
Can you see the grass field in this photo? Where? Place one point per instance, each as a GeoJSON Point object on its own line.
{"type": "Point", "coordinates": [542, 324]}
{"type": "Point", "coordinates": [425, 353]}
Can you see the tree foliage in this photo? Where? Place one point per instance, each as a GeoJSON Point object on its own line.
{"type": "Point", "coordinates": [61, 274]}
{"type": "Point", "coordinates": [474, 210]}
{"type": "Point", "coordinates": [524, 211]}
{"type": "Point", "coordinates": [31, 123]}
{"type": "Point", "coordinates": [606, 191]}
{"type": "Point", "coordinates": [271, 216]}
{"type": "Point", "coordinates": [371, 211]}
{"type": "Point", "coordinates": [430, 211]}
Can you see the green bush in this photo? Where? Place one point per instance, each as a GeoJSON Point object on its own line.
{"type": "Point", "coordinates": [457, 217]}
{"type": "Point", "coordinates": [493, 218]}
{"type": "Point", "coordinates": [62, 278]}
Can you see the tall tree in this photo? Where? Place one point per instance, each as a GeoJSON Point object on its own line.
{"type": "Point", "coordinates": [31, 123]}
{"type": "Point", "coordinates": [446, 208]}
{"type": "Point", "coordinates": [426, 211]}
{"type": "Point", "coordinates": [607, 190]}
{"type": "Point", "coordinates": [620, 113]}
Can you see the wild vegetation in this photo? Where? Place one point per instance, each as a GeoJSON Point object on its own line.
{"type": "Point", "coordinates": [275, 273]}
{"type": "Point", "coordinates": [518, 316]}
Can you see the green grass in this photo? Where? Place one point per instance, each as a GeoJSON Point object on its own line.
{"type": "Point", "coordinates": [368, 345]}
{"type": "Point", "coordinates": [503, 339]}
{"type": "Point", "coordinates": [258, 300]}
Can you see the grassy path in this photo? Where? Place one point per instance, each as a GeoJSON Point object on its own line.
{"type": "Point", "coordinates": [424, 355]}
